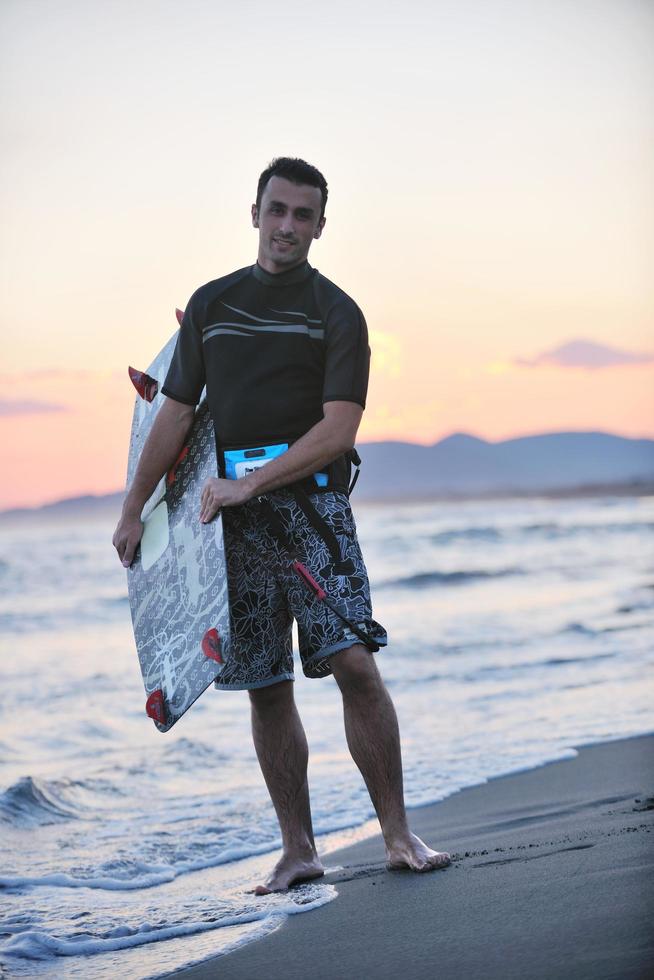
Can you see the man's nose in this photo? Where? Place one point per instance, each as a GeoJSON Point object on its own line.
{"type": "Point", "coordinates": [287, 224]}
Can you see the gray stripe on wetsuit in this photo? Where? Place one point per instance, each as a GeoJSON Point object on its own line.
{"type": "Point", "coordinates": [250, 329]}
{"type": "Point", "coordinates": [261, 319]}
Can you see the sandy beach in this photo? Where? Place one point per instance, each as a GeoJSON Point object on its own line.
{"type": "Point", "coordinates": [551, 878]}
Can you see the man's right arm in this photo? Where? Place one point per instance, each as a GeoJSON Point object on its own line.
{"type": "Point", "coordinates": [161, 449]}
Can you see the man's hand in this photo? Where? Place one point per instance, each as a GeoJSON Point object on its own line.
{"type": "Point", "coordinates": [162, 447]}
{"type": "Point", "coordinates": [327, 439]}
{"type": "Point", "coordinates": [126, 537]}
{"type": "Point", "coordinates": [217, 493]}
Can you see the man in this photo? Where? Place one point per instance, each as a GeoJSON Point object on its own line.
{"type": "Point", "coordinates": [284, 356]}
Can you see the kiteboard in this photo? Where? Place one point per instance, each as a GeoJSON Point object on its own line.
{"type": "Point", "coordinates": [177, 583]}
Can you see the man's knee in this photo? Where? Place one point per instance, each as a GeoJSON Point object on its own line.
{"type": "Point", "coordinates": [274, 697]}
{"type": "Point", "coordinates": [355, 669]}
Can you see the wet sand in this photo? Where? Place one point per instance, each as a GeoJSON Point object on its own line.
{"type": "Point", "coordinates": [552, 877]}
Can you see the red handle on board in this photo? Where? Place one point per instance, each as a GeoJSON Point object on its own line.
{"type": "Point", "coordinates": [305, 574]}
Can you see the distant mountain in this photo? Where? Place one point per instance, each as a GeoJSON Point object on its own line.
{"type": "Point", "coordinates": [463, 464]}
{"type": "Point", "coordinates": [458, 466]}
{"type": "Point", "coordinates": [106, 505]}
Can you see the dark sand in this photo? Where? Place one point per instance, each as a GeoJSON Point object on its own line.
{"type": "Point", "coordinates": [552, 877]}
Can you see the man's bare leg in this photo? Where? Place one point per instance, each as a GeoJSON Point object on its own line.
{"type": "Point", "coordinates": [374, 742]}
{"type": "Point", "coordinates": [283, 754]}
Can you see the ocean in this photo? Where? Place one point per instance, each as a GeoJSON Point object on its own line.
{"type": "Point", "coordinates": [518, 629]}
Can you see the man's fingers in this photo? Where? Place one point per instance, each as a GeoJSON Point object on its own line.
{"type": "Point", "coordinates": [118, 544]}
{"type": "Point", "coordinates": [126, 542]}
{"type": "Point", "coordinates": [128, 556]}
{"type": "Point", "coordinates": [131, 544]}
{"type": "Point", "coordinates": [208, 509]}
{"type": "Point", "coordinates": [206, 500]}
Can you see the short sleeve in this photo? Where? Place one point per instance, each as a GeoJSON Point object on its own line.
{"type": "Point", "coordinates": [347, 359]}
{"type": "Point", "coordinates": [186, 374]}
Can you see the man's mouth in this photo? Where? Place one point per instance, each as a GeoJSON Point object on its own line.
{"type": "Point", "coordinates": [283, 241]}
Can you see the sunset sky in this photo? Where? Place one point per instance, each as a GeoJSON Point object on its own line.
{"type": "Point", "coordinates": [491, 206]}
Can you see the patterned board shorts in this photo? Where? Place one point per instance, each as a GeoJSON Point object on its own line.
{"type": "Point", "coordinates": [266, 595]}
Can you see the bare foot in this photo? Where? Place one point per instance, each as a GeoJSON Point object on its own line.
{"type": "Point", "coordinates": [414, 854]}
{"type": "Point", "coordinates": [289, 871]}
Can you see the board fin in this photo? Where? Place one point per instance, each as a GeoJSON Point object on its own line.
{"type": "Point", "coordinates": [180, 315]}
{"type": "Point", "coordinates": [211, 645]}
{"type": "Point", "coordinates": [155, 707]}
{"type": "Point", "coordinates": [146, 386]}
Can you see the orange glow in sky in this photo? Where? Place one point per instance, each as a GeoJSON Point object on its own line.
{"type": "Point", "coordinates": [489, 165]}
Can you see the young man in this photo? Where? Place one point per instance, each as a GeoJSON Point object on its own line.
{"type": "Point", "coordinates": [284, 356]}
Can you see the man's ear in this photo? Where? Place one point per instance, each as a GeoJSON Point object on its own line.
{"type": "Point", "coordinates": [321, 224]}
{"type": "Point", "coordinates": [255, 216]}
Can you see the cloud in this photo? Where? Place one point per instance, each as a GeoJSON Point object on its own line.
{"type": "Point", "coordinates": [585, 354]}
{"type": "Point", "coordinates": [386, 353]}
{"type": "Point", "coordinates": [498, 367]}
{"type": "Point", "coordinates": [10, 406]}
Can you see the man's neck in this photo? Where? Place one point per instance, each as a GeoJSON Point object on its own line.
{"type": "Point", "coordinates": [292, 274]}
{"type": "Point", "coordinates": [276, 270]}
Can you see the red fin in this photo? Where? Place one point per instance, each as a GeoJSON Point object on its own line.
{"type": "Point", "coordinates": [211, 645]}
{"type": "Point", "coordinates": [172, 472]}
{"type": "Point", "coordinates": [155, 708]}
{"type": "Point", "coordinates": [146, 386]}
{"type": "Point", "coordinates": [180, 316]}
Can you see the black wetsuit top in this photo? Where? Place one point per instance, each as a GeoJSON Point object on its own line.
{"type": "Point", "coordinates": [271, 349]}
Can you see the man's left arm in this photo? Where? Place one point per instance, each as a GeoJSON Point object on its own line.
{"type": "Point", "coordinates": [324, 442]}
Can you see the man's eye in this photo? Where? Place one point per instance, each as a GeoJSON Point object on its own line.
{"type": "Point", "coordinates": [276, 209]}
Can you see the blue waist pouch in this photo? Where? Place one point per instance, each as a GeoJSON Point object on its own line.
{"type": "Point", "coordinates": [240, 462]}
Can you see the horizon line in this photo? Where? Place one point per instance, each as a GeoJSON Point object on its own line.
{"type": "Point", "coordinates": [88, 495]}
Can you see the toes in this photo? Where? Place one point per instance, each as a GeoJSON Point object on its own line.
{"type": "Point", "coordinates": [282, 880]}
{"type": "Point", "coordinates": [440, 860]}
{"type": "Point", "coordinates": [431, 863]}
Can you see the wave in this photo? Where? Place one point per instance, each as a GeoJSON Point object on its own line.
{"type": "Point", "coordinates": [548, 529]}
{"type": "Point", "coordinates": [637, 606]}
{"type": "Point", "coordinates": [139, 874]}
{"type": "Point", "coordinates": [558, 661]}
{"type": "Point", "coordinates": [36, 802]}
{"type": "Point", "coordinates": [155, 875]}
{"type": "Point", "coordinates": [423, 580]}
{"type": "Point", "coordinates": [51, 620]}
{"type": "Point", "coordinates": [466, 534]}
{"type": "Point", "coordinates": [507, 669]}
{"type": "Point", "coordinates": [578, 628]}
{"type": "Point", "coordinates": [184, 748]}
{"type": "Point", "coordinates": [555, 529]}
{"type": "Point", "coordinates": [39, 945]}
{"type": "Point", "coordinates": [581, 630]}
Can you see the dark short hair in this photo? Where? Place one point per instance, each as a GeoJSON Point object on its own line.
{"type": "Point", "coordinates": [298, 172]}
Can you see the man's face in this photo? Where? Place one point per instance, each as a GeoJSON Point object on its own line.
{"type": "Point", "coordinates": [288, 220]}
